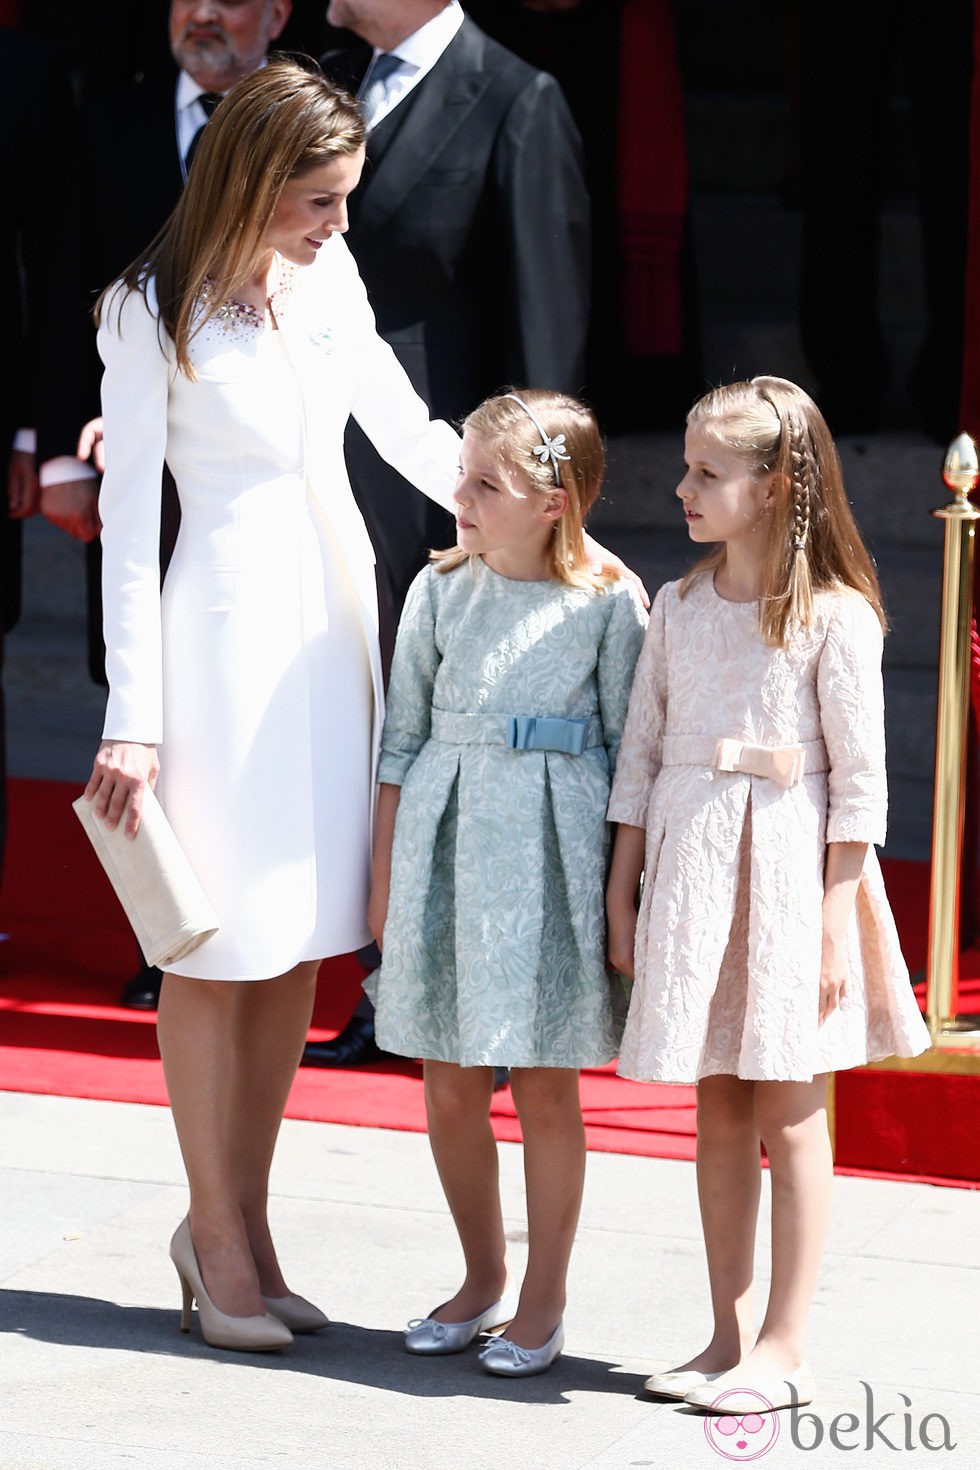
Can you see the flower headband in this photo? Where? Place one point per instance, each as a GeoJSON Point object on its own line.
{"type": "Point", "coordinates": [553, 449]}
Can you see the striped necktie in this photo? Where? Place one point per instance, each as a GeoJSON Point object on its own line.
{"type": "Point", "coordinates": [375, 92]}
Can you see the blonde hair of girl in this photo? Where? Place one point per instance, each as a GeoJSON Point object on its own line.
{"type": "Point", "coordinates": [513, 439]}
{"type": "Point", "coordinates": [812, 538]}
{"type": "Point", "coordinates": [273, 125]}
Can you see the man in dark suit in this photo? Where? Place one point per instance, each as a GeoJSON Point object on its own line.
{"type": "Point", "coordinates": [34, 110]}
{"type": "Point", "coordinates": [471, 231]}
{"type": "Point", "coordinates": [132, 148]}
{"type": "Point", "coordinates": [470, 228]}
{"type": "Point", "coordinates": [130, 151]}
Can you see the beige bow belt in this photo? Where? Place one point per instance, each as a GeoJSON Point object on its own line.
{"type": "Point", "coordinates": [786, 765]}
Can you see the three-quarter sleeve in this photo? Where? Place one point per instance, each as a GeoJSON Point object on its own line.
{"type": "Point", "coordinates": [618, 653]}
{"type": "Point", "coordinates": [852, 718]}
{"type": "Point", "coordinates": [408, 715]}
{"type": "Point", "coordinates": [135, 389]}
{"type": "Point", "coordinates": [641, 749]}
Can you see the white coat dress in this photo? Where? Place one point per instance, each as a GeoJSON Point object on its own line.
{"type": "Point", "coordinates": [256, 673]}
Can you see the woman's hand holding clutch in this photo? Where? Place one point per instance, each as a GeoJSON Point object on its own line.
{"type": "Point", "coordinates": [120, 774]}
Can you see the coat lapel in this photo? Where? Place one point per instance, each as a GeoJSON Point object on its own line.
{"type": "Point", "coordinates": [408, 146]}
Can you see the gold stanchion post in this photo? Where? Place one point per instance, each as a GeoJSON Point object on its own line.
{"type": "Point", "coordinates": [961, 473]}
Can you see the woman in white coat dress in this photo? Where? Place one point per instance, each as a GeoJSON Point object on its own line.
{"type": "Point", "coordinates": [235, 350]}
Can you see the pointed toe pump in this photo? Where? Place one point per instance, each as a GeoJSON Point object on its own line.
{"type": "Point", "coordinates": [260, 1334]}
{"type": "Point", "coordinates": [296, 1312]}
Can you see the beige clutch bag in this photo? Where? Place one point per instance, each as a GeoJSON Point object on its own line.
{"type": "Point", "coordinates": [154, 882]}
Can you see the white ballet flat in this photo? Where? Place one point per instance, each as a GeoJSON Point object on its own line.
{"type": "Point", "coordinates": [679, 1382]}
{"type": "Point", "coordinates": [427, 1336]}
{"type": "Point", "coordinates": [508, 1360]}
{"type": "Point", "coordinates": [731, 1393]}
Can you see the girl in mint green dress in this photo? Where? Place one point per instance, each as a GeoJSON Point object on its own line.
{"type": "Point", "coordinates": [508, 695]}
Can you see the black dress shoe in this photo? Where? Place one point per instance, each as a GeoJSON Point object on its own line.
{"type": "Point", "coordinates": [353, 1047]}
{"type": "Point", "coordinates": [142, 991]}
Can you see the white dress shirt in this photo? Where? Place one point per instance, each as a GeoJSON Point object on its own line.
{"type": "Point", "coordinates": [189, 115]}
{"type": "Point", "coordinates": [418, 54]}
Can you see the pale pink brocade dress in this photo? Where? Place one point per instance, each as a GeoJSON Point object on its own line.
{"type": "Point", "coordinates": [728, 942]}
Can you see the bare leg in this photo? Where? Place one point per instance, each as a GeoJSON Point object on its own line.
{"type": "Point", "coordinates": [792, 1120]}
{"type": "Point", "coordinates": [547, 1102]}
{"type": "Point", "coordinates": [729, 1175]}
{"type": "Point", "coordinates": [457, 1101]}
{"type": "Point", "coordinates": [209, 1035]}
{"type": "Point", "coordinates": [272, 1020]}
{"type": "Point", "coordinates": [196, 1029]}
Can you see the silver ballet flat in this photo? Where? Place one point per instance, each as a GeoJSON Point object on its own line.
{"type": "Point", "coordinates": [507, 1360]}
{"type": "Point", "coordinates": [426, 1335]}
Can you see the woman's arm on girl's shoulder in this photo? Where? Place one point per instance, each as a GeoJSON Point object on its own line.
{"type": "Point", "coordinates": [618, 653]}
{"type": "Point", "coordinates": [852, 719]}
{"type": "Point", "coordinates": [423, 450]}
{"type": "Point", "coordinates": [638, 762]}
{"type": "Point", "coordinates": [408, 718]}
{"type": "Point", "coordinates": [605, 563]}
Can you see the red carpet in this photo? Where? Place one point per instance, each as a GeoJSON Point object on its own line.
{"type": "Point", "coordinates": [70, 951]}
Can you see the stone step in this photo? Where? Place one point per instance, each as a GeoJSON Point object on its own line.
{"type": "Point", "coordinates": [893, 482]}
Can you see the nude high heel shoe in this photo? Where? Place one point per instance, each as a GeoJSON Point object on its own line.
{"type": "Point", "coordinates": [298, 1314]}
{"type": "Point", "coordinates": [261, 1334]}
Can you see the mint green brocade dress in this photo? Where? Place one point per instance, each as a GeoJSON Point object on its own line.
{"type": "Point", "coordinates": [494, 946]}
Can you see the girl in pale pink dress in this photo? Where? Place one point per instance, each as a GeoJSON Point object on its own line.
{"type": "Point", "coordinates": [749, 792]}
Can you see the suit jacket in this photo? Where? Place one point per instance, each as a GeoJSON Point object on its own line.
{"type": "Point", "coordinates": [34, 103]}
{"type": "Point", "coordinates": [34, 120]}
{"type": "Point", "coordinates": [470, 226]}
{"type": "Point", "coordinates": [126, 178]}
{"type": "Point", "coordinates": [471, 232]}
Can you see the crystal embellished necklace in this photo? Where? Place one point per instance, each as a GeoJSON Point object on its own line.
{"type": "Point", "coordinates": [235, 315]}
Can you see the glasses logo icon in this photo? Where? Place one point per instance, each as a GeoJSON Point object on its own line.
{"type": "Point", "coordinates": [743, 1436]}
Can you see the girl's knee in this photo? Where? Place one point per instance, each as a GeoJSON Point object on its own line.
{"type": "Point", "coordinates": [454, 1095]}
{"type": "Point", "coordinates": [724, 1110]}
{"type": "Point", "coordinates": [790, 1114]}
{"type": "Point", "coordinates": [549, 1096]}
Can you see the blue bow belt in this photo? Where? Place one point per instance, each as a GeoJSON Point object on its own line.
{"type": "Point", "coordinates": [518, 732]}
{"type": "Point", "coordinates": [544, 732]}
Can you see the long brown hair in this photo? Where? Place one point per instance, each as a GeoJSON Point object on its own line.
{"type": "Point", "coordinates": [511, 436]}
{"type": "Point", "coordinates": [273, 125]}
{"type": "Point", "coordinates": [812, 538]}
